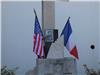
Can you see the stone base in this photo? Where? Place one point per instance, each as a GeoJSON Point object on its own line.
{"type": "Point", "coordinates": [64, 66]}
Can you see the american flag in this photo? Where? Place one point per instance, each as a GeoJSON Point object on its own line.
{"type": "Point", "coordinates": [38, 47]}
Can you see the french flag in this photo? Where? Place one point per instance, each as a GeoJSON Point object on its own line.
{"type": "Point", "coordinates": [68, 39]}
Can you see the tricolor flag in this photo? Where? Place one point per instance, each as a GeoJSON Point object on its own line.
{"type": "Point", "coordinates": [38, 47]}
{"type": "Point", "coordinates": [68, 39]}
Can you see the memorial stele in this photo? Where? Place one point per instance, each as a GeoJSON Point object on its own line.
{"type": "Point", "coordinates": [55, 63]}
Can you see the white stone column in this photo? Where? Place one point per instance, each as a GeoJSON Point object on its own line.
{"type": "Point", "coordinates": [48, 22]}
{"type": "Point", "coordinates": [48, 14]}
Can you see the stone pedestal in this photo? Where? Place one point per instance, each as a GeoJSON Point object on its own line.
{"type": "Point", "coordinates": [64, 66]}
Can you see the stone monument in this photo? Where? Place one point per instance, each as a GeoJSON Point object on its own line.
{"type": "Point", "coordinates": [55, 63]}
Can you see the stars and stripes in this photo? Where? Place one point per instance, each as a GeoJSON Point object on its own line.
{"type": "Point", "coordinates": [38, 39]}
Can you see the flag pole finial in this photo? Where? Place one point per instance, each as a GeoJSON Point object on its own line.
{"type": "Point", "coordinates": [69, 18]}
{"type": "Point", "coordinates": [34, 11]}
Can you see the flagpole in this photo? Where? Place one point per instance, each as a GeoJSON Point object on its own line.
{"type": "Point", "coordinates": [68, 18]}
{"type": "Point", "coordinates": [42, 17]}
{"type": "Point", "coordinates": [34, 12]}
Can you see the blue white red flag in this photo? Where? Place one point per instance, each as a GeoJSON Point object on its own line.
{"type": "Point", "coordinates": [68, 39]}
